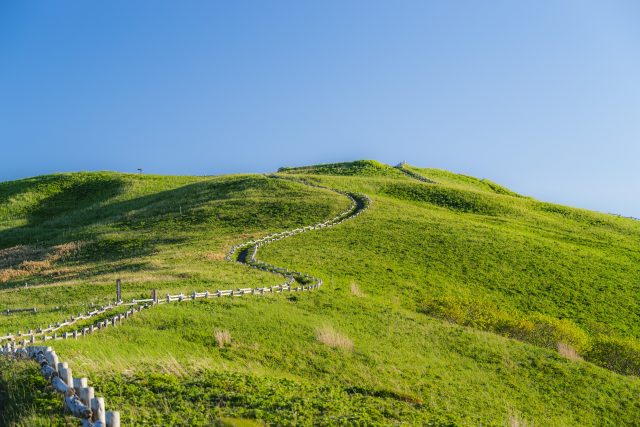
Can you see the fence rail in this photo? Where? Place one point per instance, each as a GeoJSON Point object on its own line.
{"type": "Point", "coordinates": [10, 311]}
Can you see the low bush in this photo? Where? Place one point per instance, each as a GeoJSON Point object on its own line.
{"type": "Point", "coordinates": [458, 200]}
{"type": "Point", "coordinates": [549, 332]}
{"type": "Point", "coordinates": [25, 399]}
{"type": "Point", "coordinates": [621, 355]}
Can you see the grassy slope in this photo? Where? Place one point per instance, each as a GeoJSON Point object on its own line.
{"type": "Point", "coordinates": [169, 233]}
{"type": "Point", "coordinates": [463, 238]}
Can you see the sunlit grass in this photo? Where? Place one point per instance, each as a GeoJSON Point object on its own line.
{"type": "Point", "coordinates": [454, 303]}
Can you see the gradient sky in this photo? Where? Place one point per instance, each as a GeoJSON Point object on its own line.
{"type": "Point", "coordinates": [540, 96]}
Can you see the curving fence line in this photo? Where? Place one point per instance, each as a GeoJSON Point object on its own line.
{"type": "Point", "coordinates": [79, 398]}
{"type": "Point", "coordinates": [246, 252]}
{"type": "Point", "coordinates": [41, 333]}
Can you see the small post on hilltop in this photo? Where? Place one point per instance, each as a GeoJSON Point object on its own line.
{"type": "Point", "coordinates": [154, 295]}
{"type": "Point", "coordinates": [118, 291]}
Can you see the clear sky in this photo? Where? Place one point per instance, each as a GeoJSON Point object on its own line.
{"type": "Point", "coordinates": [540, 96]}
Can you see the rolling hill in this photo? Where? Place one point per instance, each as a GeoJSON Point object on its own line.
{"type": "Point", "coordinates": [450, 300]}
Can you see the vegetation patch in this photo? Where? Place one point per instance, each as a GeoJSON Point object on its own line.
{"type": "Point", "coordinates": [463, 181]}
{"type": "Point", "coordinates": [567, 351]}
{"type": "Point", "coordinates": [26, 260]}
{"type": "Point", "coordinates": [360, 168]}
{"type": "Point", "coordinates": [207, 396]}
{"type": "Point", "coordinates": [356, 291]}
{"type": "Point", "coordinates": [577, 215]}
{"type": "Point", "coordinates": [47, 197]}
{"type": "Point", "coordinates": [618, 354]}
{"type": "Point", "coordinates": [621, 355]}
{"type": "Point", "coordinates": [457, 200]}
{"type": "Point", "coordinates": [25, 399]}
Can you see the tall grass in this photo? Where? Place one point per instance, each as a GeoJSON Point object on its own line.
{"type": "Point", "coordinates": [25, 400]}
{"type": "Point", "coordinates": [332, 338]}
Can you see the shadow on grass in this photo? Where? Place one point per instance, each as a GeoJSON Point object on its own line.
{"type": "Point", "coordinates": [57, 214]}
{"type": "Point", "coordinates": [24, 398]}
{"type": "Point", "coordinates": [88, 208]}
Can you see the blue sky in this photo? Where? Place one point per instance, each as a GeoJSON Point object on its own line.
{"type": "Point", "coordinates": [541, 96]}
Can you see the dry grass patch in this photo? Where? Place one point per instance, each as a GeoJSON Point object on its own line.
{"type": "Point", "coordinates": [568, 352]}
{"type": "Point", "coordinates": [516, 420]}
{"type": "Point", "coordinates": [35, 266]}
{"type": "Point", "coordinates": [356, 291]}
{"type": "Point", "coordinates": [329, 336]}
{"type": "Point", "coordinates": [24, 260]}
{"type": "Point", "coordinates": [65, 251]}
{"type": "Point", "coordinates": [222, 338]}
{"type": "Point", "coordinates": [11, 273]}
{"type": "Point", "coordinates": [214, 256]}
{"type": "Point", "coordinates": [14, 256]}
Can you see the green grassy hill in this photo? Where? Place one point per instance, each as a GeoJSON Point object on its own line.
{"type": "Point", "coordinates": [453, 303]}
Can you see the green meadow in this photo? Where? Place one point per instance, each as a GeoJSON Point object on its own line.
{"type": "Point", "coordinates": [454, 303]}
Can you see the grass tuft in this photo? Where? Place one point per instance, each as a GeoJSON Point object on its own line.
{"type": "Point", "coordinates": [356, 291]}
{"type": "Point", "coordinates": [516, 420]}
{"type": "Point", "coordinates": [222, 338]}
{"type": "Point", "coordinates": [332, 338]}
{"type": "Point", "coordinates": [567, 351]}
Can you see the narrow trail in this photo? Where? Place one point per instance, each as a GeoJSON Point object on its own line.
{"type": "Point", "coordinates": [76, 391]}
{"type": "Point", "coordinates": [414, 175]}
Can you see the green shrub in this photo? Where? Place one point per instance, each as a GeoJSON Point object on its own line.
{"type": "Point", "coordinates": [24, 396]}
{"type": "Point", "coordinates": [549, 332]}
{"type": "Point", "coordinates": [537, 329]}
{"type": "Point", "coordinates": [476, 314]}
{"type": "Point", "coordinates": [450, 198]}
{"type": "Point", "coordinates": [359, 167]}
{"type": "Point", "coordinates": [621, 355]}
